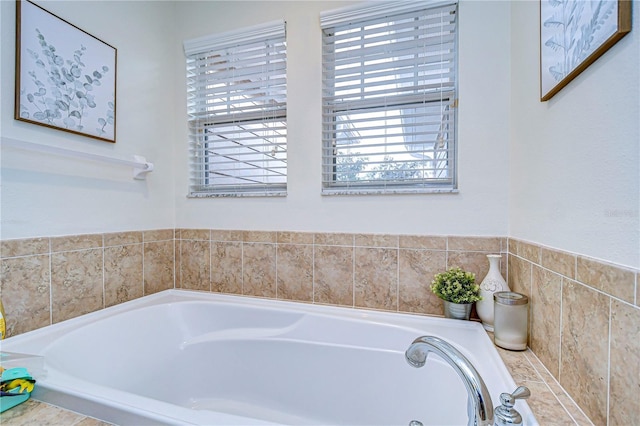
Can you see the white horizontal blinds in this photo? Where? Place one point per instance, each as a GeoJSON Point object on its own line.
{"type": "Point", "coordinates": [389, 93]}
{"type": "Point", "coordinates": [237, 104]}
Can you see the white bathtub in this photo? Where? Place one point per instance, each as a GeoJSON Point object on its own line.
{"type": "Point", "coordinates": [182, 357]}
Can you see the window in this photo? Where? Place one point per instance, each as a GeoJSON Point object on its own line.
{"type": "Point", "coordinates": [237, 106]}
{"type": "Point", "coordinates": [389, 98]}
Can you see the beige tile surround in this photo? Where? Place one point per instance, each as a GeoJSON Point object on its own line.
{"type": "Point", "coordinates": [584, 314]}
{"type": "Point", "coordinates": [47, 280]}
{"type": "Point", "coordinates": [584, 327]}
{"type": "Point", "coordinates": [386, 272]}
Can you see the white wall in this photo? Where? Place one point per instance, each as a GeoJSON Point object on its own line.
{"type": "Point", "coordinates": [563, 173]}
{"type": "Point", "coordinates": [479, 209]}
{"type": "Point", "coordinates": [575, 163]}
{"type": "Point", "coordinates": [44, 195]}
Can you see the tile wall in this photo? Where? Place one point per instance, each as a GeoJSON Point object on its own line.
{"type": "Point", "coordinates": [387, 272]}
{"type": "Point", "coordinates": [585, 314]}
{"type": "Point", "coordinates": [584, 327]}
{"type": "Point", "coordinates": [48, 280]}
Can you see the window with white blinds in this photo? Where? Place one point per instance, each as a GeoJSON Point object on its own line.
{"type": "Point", "coordinates": [389, 98]}
{"type": "Point", "coordinates": [237, 106]}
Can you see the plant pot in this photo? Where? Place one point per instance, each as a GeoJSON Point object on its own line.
{"type": "Point", "coordinates": [457, 310]}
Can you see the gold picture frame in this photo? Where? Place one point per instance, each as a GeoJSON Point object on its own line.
{"type": "Point", "coordinates": [65, 77]}
{"type": "Point", "coordinates": [573, 34]}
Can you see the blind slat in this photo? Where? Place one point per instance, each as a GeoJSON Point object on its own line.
{"type": "Point", "coordinates": [427, 70]}
{"type": "Point", "coordinates": [387, 88]}
{"type": "Point", "coordinates": [268, 54]}
{"type": "Point", "coordinates": [255, 134]}
{"type": "Point", "coordinates": [407, 25]}
{"type": "Point", "coordinates": [238, 114]}
{"type": "Point", "coordinates": [335, 119]}
{"type": "Point", "coordinates": [214, 87]}
{"type": "Point", "coordinates": [395, 63]}
{"type": "Point", "coordinates": [234, 151]}
{"type": "Point", "coordinates": [372, 48]}
{"type": "Point", "coordinates": [238, 104]}
{"type": "Point", "coordinates": [238, 71]}
{"type": "Point", "coordinates": [381, 102]}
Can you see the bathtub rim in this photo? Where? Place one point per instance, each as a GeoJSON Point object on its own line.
{"type": "Point", "coordinates": [405, 320]}
{"type": "Point", "coordinates": [401, 319]}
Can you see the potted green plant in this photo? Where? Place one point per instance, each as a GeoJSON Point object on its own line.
{"type": "Point", "coordinates": [458, 289]}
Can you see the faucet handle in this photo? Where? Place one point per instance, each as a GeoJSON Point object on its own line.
{"type": "Point", "coordinates": [505, 414]}
{"type": "Point", "coordinates": [509, 399]}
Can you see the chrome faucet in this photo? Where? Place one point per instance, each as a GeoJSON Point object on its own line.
{"type": "Point", "coordinates": [479, 405]}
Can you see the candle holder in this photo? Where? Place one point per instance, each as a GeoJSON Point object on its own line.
{"type": "Point", "coordinates": [511, 320]}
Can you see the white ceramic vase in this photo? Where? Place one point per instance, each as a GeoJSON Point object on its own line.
{"type": "Point", "coordinates": [490, 284]}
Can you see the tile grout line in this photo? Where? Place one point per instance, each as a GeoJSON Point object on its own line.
{"type": "Point", "coordinates": [104, 293]}
{"type": "Point", "coordinates": [143, 243]}
{"type": "Point", "coordinates": [174, 245]}
{"type": "Point", "coordinates": [398, 278]}
{"type": "Point", "coordinates": [550, 377]}
{"type": "Point", "coordinates": [564, 277]}
{"type": "Point", "coordinates": [210, 263]}
{"type": "Point", "coordinates": [609, 361]}
{"type": "Point", "coordinates": [179, 255]}
{"type": "Point", "coordinates": [561, 328]}
{"type": "Point", "coordinates": [637, 289]}
{"type": "Point", "coordinates": [242, 267]}
{"type": "Point", "coordinates": [50, 256]}
{"type": "Point", "coordinates": [353, 271]}
{"type": "Point", "coordinates": [313, 270]}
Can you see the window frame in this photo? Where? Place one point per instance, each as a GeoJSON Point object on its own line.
{"type": "Point", "coordinates": [241, 104]}
{"type": "Point", "coordinates": [362, 17]}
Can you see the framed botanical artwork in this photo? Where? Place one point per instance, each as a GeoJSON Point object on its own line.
{"type": "Point", "coordinates": [65, 77]}
{"type": "Point", "coordinates": [573, 34]}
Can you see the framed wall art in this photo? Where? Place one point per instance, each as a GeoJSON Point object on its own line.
{"type": "Point", "coordinates": [573, 34]}
{"type": "Point", "coordinates": [65, 77]}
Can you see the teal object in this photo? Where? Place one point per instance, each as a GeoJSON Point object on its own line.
{"type": "Point", "coordinates": [15, 373]}
{"type": "Point", "coordinates": [12, 397]}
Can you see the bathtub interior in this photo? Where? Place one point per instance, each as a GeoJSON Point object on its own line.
{"type": "Point", "coordinates": [192, 358]}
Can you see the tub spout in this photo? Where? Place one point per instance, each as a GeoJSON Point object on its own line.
{"type": "Point", "coordinates": [479, 407]}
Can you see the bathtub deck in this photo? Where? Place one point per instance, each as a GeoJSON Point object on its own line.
{"type": "Point", "coordinates": [549, 402]}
